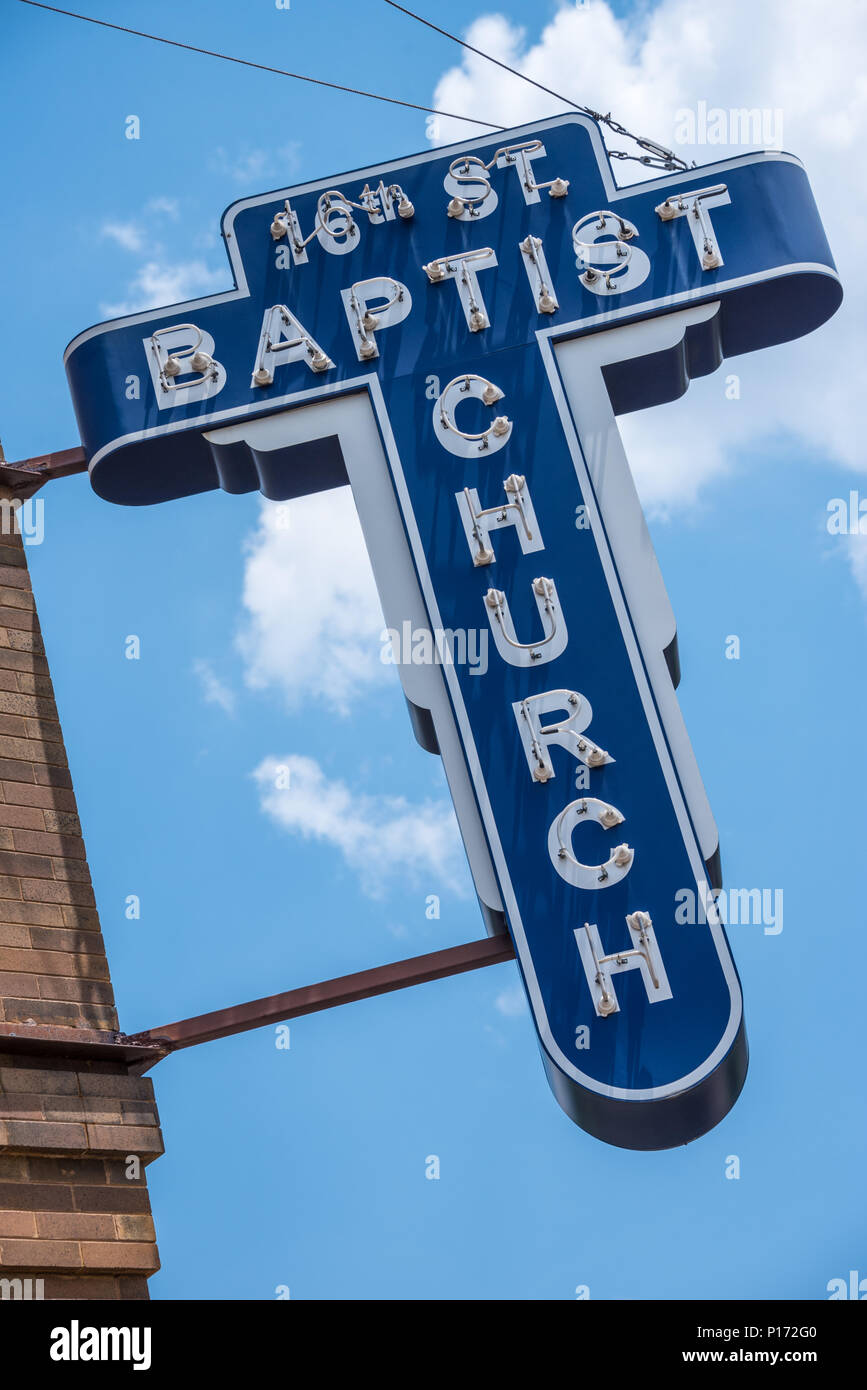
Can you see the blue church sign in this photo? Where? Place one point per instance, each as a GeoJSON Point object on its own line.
{"type": "Point", "coordinates": [454, 335]}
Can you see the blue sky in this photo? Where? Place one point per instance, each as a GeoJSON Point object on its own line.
{"type": "Point", "coordinates": [306, 1167]}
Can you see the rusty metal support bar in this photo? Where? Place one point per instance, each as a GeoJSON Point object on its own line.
{"type": "Point", "coordinates": [346, 989]}
{"type": "Point", "coordinates": [27, 476]}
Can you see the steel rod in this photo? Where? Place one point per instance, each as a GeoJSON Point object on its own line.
{"type": "Point", "coordinates": [328, 994]}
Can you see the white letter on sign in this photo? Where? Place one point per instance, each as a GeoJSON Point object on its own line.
{"type": "Point", "coordinates": [517, 511]}
{"type": "Point", "coordinates": [694, 207]}
{"type": "Point", "coordinates": [589, 876]}
{"type": "Point", "coordinates": [451, 436]}
{"type": "Point", "coordinates": [462, 268]}
{"type": "Point", "coordinates": [364, 321]}
{"type": "Point", "coordinates": [282, 340]}
{"type": "Point", "coordinates": [528, 653]}
{"type": "Point", "coordinates": [468, 183]}
{"type": "Point", "coordinates": [608, 264]}
{"type": "Point", "coordinates": [519, 158]}
{"type": "Point", "coordinates": [176, 352]}
{"type": "Point", "coordinates": [643, 955]}
{"type": "Point", "coordinates": [568, 733]}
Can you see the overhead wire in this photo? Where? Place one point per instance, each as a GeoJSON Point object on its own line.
{"type": "Point", "coordinates": [262, 67]}
{"type": "Point", "coordinates": [657, 155]}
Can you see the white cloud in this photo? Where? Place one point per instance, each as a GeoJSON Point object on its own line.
{"type": "Point", "coordinates": [214, 690]}
{"type": "Point", "coordinates": [163, 207]}
{"type": "Point", "coordinates": [858, 562]}
{"type": "Point", "coordinates": [314, 618]}
{"type": "Point", "coordinates": [511, 1002]}
{"type": "Point", "coordinates": [251, 166]}
{"type": "Point", "coordinates": [129, 235]}
{"type": "Point", "coordinates": [651, 65]}
{"type": "Point", "coordinates": [158, 283]}
{"type": "Point", "coordinates": [382, 838]}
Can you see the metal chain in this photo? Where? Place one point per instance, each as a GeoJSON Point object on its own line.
{"type": "Point", "coordinates": [658, 158]}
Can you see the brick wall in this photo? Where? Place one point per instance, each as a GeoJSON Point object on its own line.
{"type": "Point", "coordinates": [73, 1210]}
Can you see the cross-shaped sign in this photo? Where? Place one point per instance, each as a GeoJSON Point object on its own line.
{"type": "Point", "coordinates": [454, 334]}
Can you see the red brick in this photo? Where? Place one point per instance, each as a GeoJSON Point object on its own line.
{"type": "Point", "coordinates": [61, 1225]}
{"type": "Point", "coordinates": [135, 1227]}
{"type": "Point", "coordinates": [25, 1105]}
{"type": "Point", "coordinates": [10, 888]}
{"type": "Point", "coordinates": [13, 659]}
{"type": "Point", "coordinates": [12, 550]}
{"type": "Point", "coordinates": [67, 870]}
{"type": "Point", "coordinates": [29, 865]}
{"type": "Point", "coordinates": [101, 1110]}
{"type": "Point", "coordinates": [34, 1106]}
{"type": "Point", "coordinates": [113, 1199]}
{"type": "Point", "coordinates": [62, 939]}
{"type": "Point", "coordinates": [9, 680]}
{"type": "Point", "coordinates": [43, 1134]}
{"type": "Point", "coordinates": [85, 918]}
{"type": "Point", "coordinates": [18, 986]}
{"type": "Point", "coordinates": [45, 1254]}
{"type": "Point", "coordinates": [119, 1255]}
{"type": "Point", "coordinates": [13, 576]}
{"type": "Point", "coordinates": [19, 1223]}
{"type": "Point", "coordinates": [64, 822]}
{"type": "Point", "coordinates": [22, 817]}
{"type": "Point", "coordinates": [82, 991]}
{"type": "Point", "coordinates": [25, 793]}
{"type": "Point", "coordinates": [11, 934]}
{"type": "Point", "coordinates": [19, 1196]}
{"type": "Point", "coordinates": [115, 1139]}
{"type": "Point", "coordinates": [17, 596]}
{"type": "Point", "coordinates": [89, 965]}
{"type": "Point", "coordinates": [43, 842]}
{"type": "Point", "coordinates": [51, 775]}
{"type": "Point", "coordinates": [43, 890]}
{"type": "Point", "coordinates": [44, 730]}
{"type": "Point", "coordinates": [33, 750]}
{"type": "Point", "coordinates": [116, 1084]}
{"type": "Point", "coordinates": [29, 683]}
{"type": "Point", "coordinates": [88, 1288]}
{"type": "Point", "coordinates": [135, 1112]}
{"type": "Point", "coordinates": [56, 1012]}
{"type": "Point", "coordinates": [77, 1170]}
{"type": "Point", "coordinates": [18, 620]}
{"type": "Point", "coordinates": [26, 1080]}
{"type": "Point", "coordinates": [133, 1288]}
{"type": "Point", "coordinates": [16, 770]}
{"type": "Point", "coordinates": [39, 916]}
